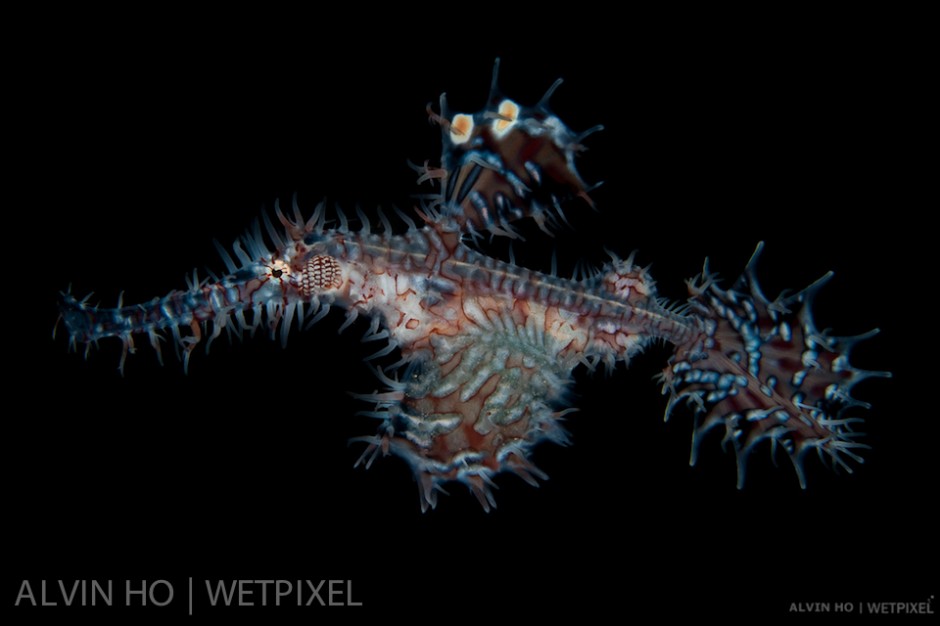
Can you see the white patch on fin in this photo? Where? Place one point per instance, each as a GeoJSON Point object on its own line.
{"type": "Point", "coordinates": [461, 127]}
{"type": "Point", "coordinates": [508, 115]}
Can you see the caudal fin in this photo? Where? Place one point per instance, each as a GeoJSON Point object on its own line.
{"type": "Point", "coordinates": [764, 371]}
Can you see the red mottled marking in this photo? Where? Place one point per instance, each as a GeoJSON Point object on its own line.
{"type": "Point", "coordinates": [451, 365]}
{"type": "Point", "coordinates": [401, 295]}
{"type": "Point", "coordinates": [474, 439]}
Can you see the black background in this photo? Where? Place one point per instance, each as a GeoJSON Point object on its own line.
{"type": "Point", "coordinates": [141, 144]}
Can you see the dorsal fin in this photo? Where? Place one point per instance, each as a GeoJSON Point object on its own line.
{"type": "Point", "coordinates": [508, 162]}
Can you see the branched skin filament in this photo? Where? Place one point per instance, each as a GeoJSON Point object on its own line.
{"type": "Point", "coordinates": [488, 347]}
